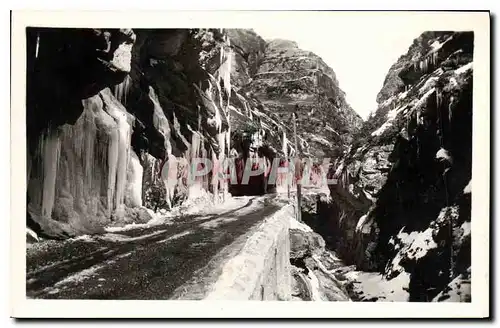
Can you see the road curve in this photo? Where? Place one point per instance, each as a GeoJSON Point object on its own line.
{"type": "Point", "coordinates": [142, 263]}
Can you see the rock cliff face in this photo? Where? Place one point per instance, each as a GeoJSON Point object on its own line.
{"type": "Point", "coordinates": [110, 111]}
{"type": "Point", "coordinates": [402, 202]}
{"type": "Point", "coordinates": [314, 278]}
{"type": "Point", "coordinates": [290, 80]}
{"type": "Point", "coordinates": [99, 119]}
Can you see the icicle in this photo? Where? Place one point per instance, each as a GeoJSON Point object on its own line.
{"type": "Point", "coordinates": [37, 44]}
{"type": "Point", "coordinates": [225, 72]}
{"type": "Point", "coordinates": [135, 181]}
{"type": "Point", "coordinates": [433, 58]}
{"type": "Point", "coordinates": [121, 90]}
{"type": "Point", "coordinates": [284, 144]}
{"type": "Point", "coordinates": [199, 118]}
{"type": "Point", "coordinates": [160, 121]}
{"type": "Point", "coordinates": [221, 138]}
{"type": "Point", "coordinates": [169, 177]}
{"type": "Point", "coordinates": [438, 97]}
{"type": "Point", "coordinates": [151, 166]}
{"type": "Point", "coordinates": [112, 167]}
{"type": "Point", "coordinates": [177, 129]}
{"type": "Point", "coordinates": [195, 145]}
{"type": "Point", "coordinates": [214, 181]}
{"type": "Point", "coordinates": [50, 155]}
{"type": "Point", "coordinates": [208, 96]}
{"type": "Point", "coordinates": [450, 110]}
{"type": "Point", "coordinates": [118, 151]}
{"type": "Point", "coordinates": [221, 59]}
{"type": "Point", "coordinates": [123, 156]}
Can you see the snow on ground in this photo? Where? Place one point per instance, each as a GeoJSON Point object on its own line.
{"type": "Point", "coordinates": [468, 187]}
{"type": "Point", "coordinates": [453, 81]}
{"type": "Point", "coordinates": [423, 99]}
{"type": "Point", "coordinates": [176, 236]}
{"type": "Point", "coordinates": [307, 191]}
{"type": "Point", "coordinates": [215, 223]}
{"type": "Point", "coordinates": [314, 191]}
{"type": "Point", "coordinates": [82, 275]}
{"type": "Point", "coordinates": [391, 115]}
{"type": "Point", "coordinates": [200, 205]}
{"type": "Point", "coordinates": [315, 289]}
{"type": "Point", "coordinates": [372, 285]}
{"type": "Point", "coordinates": [32, 234]}
{"type": "Point", "coordinates": [436, 45]}
{"type": "Point", "coordinates": [402, 95]}
{"type": "Point", "coordinates": [443, 154]}
{"type": "Point", "coordinates": [387, 102]}
{"type": "Point", "coordinates": [411, 246]}
{"type": "Point", "coordinates": [458, 290]}
{"type": "Point", "coordinates": [361, 222]}
{"type": "Point", "coordinates": [320, 140]}
{"type": "Point", "coordinates": [422, 243]}
{"type": "Point", "coordinates": [119, 238]}
{"type": "Point", "coordinates": [466, 229]}
{"type": "Point", "coordinates": [463, 69]}
{"type": "Point", "coordinates": [430, 83]}
{"type": "Point", "coordinates": [381, 129]}
{"type": "Point", "coordinates": [294, 224]}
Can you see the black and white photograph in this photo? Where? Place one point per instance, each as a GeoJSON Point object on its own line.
{"type": "Point", "coordinates": [324, 163]}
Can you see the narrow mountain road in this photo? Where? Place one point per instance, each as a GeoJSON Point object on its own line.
{"type": "Point", "coordinates": [141, 263]}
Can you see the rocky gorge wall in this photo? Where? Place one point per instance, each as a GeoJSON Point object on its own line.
{"type": "Point", "coordinates": [402, 203]}
{"type": "Point", "coordinates": [292, 80]}
{"type": "Point", "coordinates": [130, 105]}
{"type": "Point", "coordinates": [110, 110]}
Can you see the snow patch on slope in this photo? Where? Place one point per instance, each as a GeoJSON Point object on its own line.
{"type": "Point", "coordinates": [315, 289]}
{"type": "Point", "coordinates": [294, 224]}
{"type": "Point", "coordinates": [444, 155]}
{"type": "Point", "coordinates": [464, 68]}
{"type": "Point", "coordinates": [458, 290]}
{"type": "Point", "coordinates": [373, 286]}
{"type": "Point", "coordinates": [468, 188]}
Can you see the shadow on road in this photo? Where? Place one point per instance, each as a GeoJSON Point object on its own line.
{"type": "Point", "coordinates": [143, 268]}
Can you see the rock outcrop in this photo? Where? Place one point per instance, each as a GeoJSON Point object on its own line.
{"type": "Point", "coordinates": [291, 80]}
{"type": "Point", "coordinates": [106, 108]}
{"type": "Point", "coordinates": [312, 267]}
{"type": "Point", "coordinates": [402, 202]}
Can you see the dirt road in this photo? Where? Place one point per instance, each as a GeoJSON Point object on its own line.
{"type": "Point", "coordinates": [143, 263]}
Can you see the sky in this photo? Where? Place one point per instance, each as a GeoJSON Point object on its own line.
{"type": "Point", "coordinates": [360, 49]}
